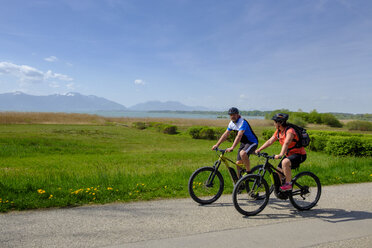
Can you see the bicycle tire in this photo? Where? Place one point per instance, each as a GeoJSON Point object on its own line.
{"type": "Point", "coordinates": [255, 171]}
{"type": "Point", "coordinates": [193, 186]}
{"type": "Point", "coordinates": [303, 186]}
{"type": "Point", "coordinates": [242, 201]}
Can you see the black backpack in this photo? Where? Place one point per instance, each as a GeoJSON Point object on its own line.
{"type": "Point", "coordinates": [304, 138]}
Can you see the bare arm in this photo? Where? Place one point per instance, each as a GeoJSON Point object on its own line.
{"type": "Point", "coordinates": [236, 141]}
{"type": "Point", "coordinates": [287, 141]}
{"type": "Point", "coordinates": [268, 143]}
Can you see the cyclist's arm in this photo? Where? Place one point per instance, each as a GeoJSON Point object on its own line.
{"type": "Point", "coordinates": [222, 139]}
{"type": "Point", "coordinates": [268, 143]}
{"type": "Point", "coordinates": [237, 139]}
{"type": "Point", "coordinates": [287, 141]}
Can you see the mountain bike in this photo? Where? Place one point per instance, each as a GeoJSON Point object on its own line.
{"type": "Point", "coordinates": [206, 184]}
{"type": "Point", "coordinates": [251, 193]}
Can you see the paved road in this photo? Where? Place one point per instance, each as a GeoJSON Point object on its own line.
{"type": "Point", "coordinates": [343, 218]}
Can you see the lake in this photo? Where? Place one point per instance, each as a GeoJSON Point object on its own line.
{"type": "Point", "coordinates": [185, 115]}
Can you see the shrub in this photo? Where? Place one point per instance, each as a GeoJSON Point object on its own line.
{"type": "Point", "coordinates": [267, 133]}
{"type": "Point", "coordinates": [139, 125]}
{"type": "Point", "coordinates": [207, 133]}
{"type": "Point", "coordinates": [359, 125]}
{"type": "Point", "coordinates": [344, 146]}
{"type": "Point", "coordinates": [330, 120]}
{"type": "Point", "coordinates": [299, 121]}
{"type": "Point", "coordinates": [169, 129]}
{"type": "Point", "coordinates": [366, 147]}
{"type": "Point", "coordinates": [194, 132]}
{"type": "Point", "coordinates": [318, 142]}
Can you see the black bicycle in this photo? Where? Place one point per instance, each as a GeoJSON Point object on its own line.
{"type": "Point", "coordinates": [252, 192]}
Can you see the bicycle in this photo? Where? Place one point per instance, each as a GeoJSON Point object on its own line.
{"type": "Point", "coordinates": [206, 184]}
{"type": "Point", "coordinates": [255, 196]}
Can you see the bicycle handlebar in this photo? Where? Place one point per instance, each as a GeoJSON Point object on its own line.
{"type": "Point", "coordinates": [220, 150]}
{"type": "Point", "coordinates": [265, 155]}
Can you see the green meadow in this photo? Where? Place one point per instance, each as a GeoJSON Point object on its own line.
{"type": "Point", "coordinates": [63, 165]}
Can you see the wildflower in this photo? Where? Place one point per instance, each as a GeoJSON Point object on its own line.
{"type": "Point", "coordinates": [41, 191]}
{"type": "Point", "coordinates": [59, 188]}
{"type": "Point", "coordinates": [94, 198]}
{"type": "Point", "coordinates": [143, 184]}
{"type": "Point", "coordinates": [93, 193]}
{"type": "Point", "coordinates": [353, 173]}
{"type": "Point", "coordinates": [109, 188]}
{"type": "Point", "coordinates": [370, 175]}
{"type": "Point", "coordinates": [165, 187]}
{"type": "Point", "coordinates": [95, 189]}
{"type": "Point", "coordinates": [130, 193]}
{"type": "Point", "coordinates": [50, 197]}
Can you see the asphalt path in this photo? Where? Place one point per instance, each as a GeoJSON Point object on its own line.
{"type": "Point", "coordinates": [342, 218]}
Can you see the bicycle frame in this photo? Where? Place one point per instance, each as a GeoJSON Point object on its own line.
{"type": "Point", "coordinates": [225, 160]}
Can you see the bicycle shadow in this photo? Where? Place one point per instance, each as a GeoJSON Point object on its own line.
{"type": "Point", "coordinates": [332, 215]}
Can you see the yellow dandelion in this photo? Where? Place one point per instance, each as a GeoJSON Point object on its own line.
{"type": "Point", "coordinates": [7, 201]}
{"type": "Point", "coordinates": [193, 187]}
{"type": "Point", "coordinates": [94, 194]}
{"type": "Point", "coordinates": [41, 191]}
{"type": "Point", "coordinates": [59, 188]}
{"type": "Point", "coordinates": [353, 173]}
{"type": "Point", "coordinates": [370, 175]}
{"type": "Point", "coordinates": [95, 189]}
{"type": "Point", "coordinates": [88, 188]}
{"type": "Point", "coordinates": [130, 193]}
{"type": "Point", "coordinates": [94, 198]}
{"type": "Point", "coordinates": [137, 191]}
{"type": "Point", "coordinates": [165, 187]}
{"type": "Point", "coordinates": [109, 188]}
{"type": "Point", "coordinates": [143, 184]}
{"type": "Point", "coordinates": [50, 197]}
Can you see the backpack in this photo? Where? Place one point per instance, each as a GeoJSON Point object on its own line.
{"type": "Point", "coordinates": [304, 138]}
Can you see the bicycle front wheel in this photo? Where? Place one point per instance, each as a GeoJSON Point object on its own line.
{"type": "Point", "coordinates": [306, 191]}
{"type": "Point", "coordinates": [256, 170]}
{"type": "Point", "coordinates": [206, 185]}
{"type": "Point", "coordinates": [251, 195]}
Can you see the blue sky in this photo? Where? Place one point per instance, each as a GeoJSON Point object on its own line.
{"type": "Point", "coordinates": [250, 54]}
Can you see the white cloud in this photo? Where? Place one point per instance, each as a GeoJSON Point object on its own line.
{"type": "Point", "coordinates": [139, 82]}
{"type": "Point", "coordinates": [51, 59]}
{"type": "Point", "coordinates": [28, 74]}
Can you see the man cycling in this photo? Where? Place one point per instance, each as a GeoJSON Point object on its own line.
{"type": "Point", "coordinates": [245, 135]}
{"type": "Point", "coordinates": [287, 138]}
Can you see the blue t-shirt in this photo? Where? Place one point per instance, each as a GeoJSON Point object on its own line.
{"type": "Point", "coordinates": [240, 125]}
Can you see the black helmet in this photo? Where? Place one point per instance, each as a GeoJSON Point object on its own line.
{"type": "Point", "coordinates": [233, 110]}
{"type": "Point", "coordinates": [280, 117]}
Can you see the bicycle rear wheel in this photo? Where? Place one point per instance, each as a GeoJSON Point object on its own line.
{"type": "Point", "coordinates": [206, 185]}
{"type": "Point", "coordinates": [251, 195]}
{"type": "Point", "coordinates": [306, 191]}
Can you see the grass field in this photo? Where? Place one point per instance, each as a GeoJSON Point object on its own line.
{"type": "Point", "coordinates": [56, 165]}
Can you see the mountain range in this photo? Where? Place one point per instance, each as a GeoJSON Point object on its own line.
{"type": "Point", "coordinates": [76, 102]}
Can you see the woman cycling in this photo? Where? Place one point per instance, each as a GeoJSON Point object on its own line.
{"type": "Point", "coordinates": [287, 138]}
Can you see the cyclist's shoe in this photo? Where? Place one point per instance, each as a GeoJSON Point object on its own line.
{"type": "Point", "coordinates": [286, 187]}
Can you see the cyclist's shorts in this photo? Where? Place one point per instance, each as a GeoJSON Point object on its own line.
{"type": "Point", "coordinates": [296, 159]}
{"type": "Point", "coordinates": [249, 148]}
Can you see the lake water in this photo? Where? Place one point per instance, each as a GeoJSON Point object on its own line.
{"type": "Point", "coordinates": [144, 114]}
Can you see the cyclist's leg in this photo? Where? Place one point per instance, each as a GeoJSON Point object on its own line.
{"type": "Point", "coordinates": [239, 160]}
{"type": "Point", "coordinates": [245, 152]}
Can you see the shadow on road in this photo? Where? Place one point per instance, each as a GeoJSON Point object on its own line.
{"type": "Point", "coordinates": [333, 215]}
